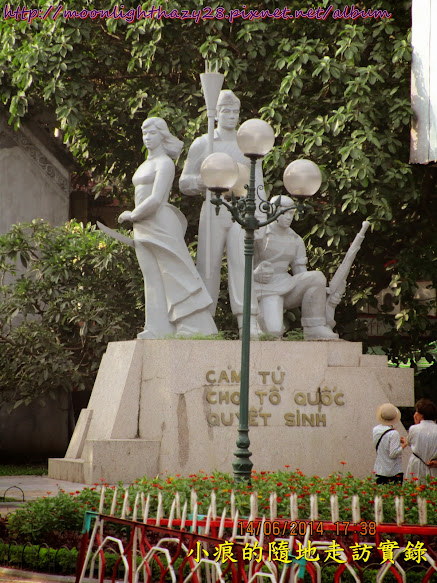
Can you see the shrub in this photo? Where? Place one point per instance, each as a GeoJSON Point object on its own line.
{"type": "Point", "coordinates": [65, 292]}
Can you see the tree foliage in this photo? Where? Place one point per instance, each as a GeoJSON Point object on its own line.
{"type": "Point", "coordinates": [65, 292]}
{"type": "Point", "coordinates": [335, 91]}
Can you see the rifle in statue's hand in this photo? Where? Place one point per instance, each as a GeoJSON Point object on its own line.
{"type": "Point", "coordinates": [337, 285]}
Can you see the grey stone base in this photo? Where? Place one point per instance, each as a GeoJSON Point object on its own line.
{"type": "Point", "coordinates": [109, 461]}
{"type": "Point", "coordinates": [171, 406]}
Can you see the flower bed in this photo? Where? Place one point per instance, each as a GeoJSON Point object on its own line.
{"type": "Point", "coordinates": [60, 518]}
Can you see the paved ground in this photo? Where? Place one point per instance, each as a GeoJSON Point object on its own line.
{"type": "Point", "coordinates": [31, 487]}
{"type": "Point", "coordinates": [18, 576]}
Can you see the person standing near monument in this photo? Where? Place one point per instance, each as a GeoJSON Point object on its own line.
{"type": "Point", "coordinates": [388, 463]}
{"type": "Point", "coordinates": [422, 438]}
{"type": "Point", "coordinates": [224, 235]}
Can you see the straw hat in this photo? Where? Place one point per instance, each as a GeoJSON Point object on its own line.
{"type": "Point", "coordinates": [388, 414]}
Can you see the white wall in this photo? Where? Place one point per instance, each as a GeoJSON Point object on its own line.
{"type": "Point", "coordinates": [423, 148]}
{"type": "Point", "coordinates": [33, 184]}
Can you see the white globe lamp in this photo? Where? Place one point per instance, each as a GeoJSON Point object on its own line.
{"type": "Point", "coordinates": [219, 171]}
{"type": "Point", "coordinates": [255, 138]}
{"type": "Point", "coordinates": [302, 178]}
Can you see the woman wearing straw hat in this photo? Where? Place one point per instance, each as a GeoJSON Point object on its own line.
{"type": "Point", "coordinates": [388, 463]}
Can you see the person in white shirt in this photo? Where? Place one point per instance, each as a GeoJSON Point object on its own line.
{"type": "Point", "coordinates": [387, 441]}
{"type": "Point", "coordinates": [422, 438]}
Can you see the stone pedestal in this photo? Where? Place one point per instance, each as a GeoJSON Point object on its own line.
{"type": "Point", "coordinates": [172, 406]}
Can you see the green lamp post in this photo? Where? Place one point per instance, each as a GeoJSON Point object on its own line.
{"type": "Point", "coordinates": [220, 173]}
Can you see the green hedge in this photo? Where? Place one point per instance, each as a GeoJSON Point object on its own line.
{"type": "Point", "coordinates": [40, 558]}
{"type": "Point", "coordinates": [63, 562]}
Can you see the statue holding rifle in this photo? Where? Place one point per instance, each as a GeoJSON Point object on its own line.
{"type": "Point", "coordinates": [218, 234]}
{"type": "Point", "coordinates": [279, 248]}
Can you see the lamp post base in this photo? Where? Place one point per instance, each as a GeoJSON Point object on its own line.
{"type": "Point", "coordinates": [242, 464]}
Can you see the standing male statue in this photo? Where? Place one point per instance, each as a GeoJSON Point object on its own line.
{"type": "Point", "coordinates": [222, 232]}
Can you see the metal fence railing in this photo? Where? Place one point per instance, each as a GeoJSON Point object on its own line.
{"type": "Point", "coordinates": [187, 546]}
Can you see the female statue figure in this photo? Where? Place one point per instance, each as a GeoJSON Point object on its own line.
{"type": "Point", "coordinates": [176, 299]}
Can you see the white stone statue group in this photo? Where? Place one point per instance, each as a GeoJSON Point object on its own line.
{"type": "Point", "coordinates": [181, 300]}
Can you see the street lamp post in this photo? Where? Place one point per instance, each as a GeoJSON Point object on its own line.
{"type": "Point", "coordinates": [219, 173]}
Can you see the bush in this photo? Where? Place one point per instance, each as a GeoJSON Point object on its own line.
{"type": "Point", "coordinates": [65, 293]}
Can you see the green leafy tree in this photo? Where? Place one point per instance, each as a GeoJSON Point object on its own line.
{"type": "Point", "coordinates": [335, 91]}
{"type": "Point", "coordinates": [65, 292]}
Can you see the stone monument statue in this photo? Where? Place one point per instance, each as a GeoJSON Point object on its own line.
{"type": "Point", "coordinates": [277, 248]}
{"type": "Point", "coordinates": [176, 299]}
{"type": "Point", "coordinates": [121, 434]}
{"type": "Point", "coordinates": [219, 233]}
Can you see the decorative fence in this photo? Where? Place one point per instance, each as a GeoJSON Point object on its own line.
{"type": "Point", "coordinates": [207, 548]}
